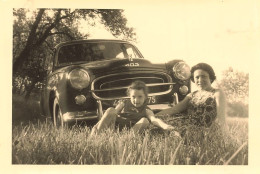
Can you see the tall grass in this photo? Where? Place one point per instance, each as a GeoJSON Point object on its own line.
{"type": "Point", "coordinates": [41, 143]}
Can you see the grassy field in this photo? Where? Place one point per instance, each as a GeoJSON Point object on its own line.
{"type": "Point", "coordinates": [38, 142]}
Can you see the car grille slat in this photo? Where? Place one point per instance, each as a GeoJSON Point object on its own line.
{"type": "Point", "coordinates": [126, 81]}
{"type": "Point", "coordinates": [114, 86]}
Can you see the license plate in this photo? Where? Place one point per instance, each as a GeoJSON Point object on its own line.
{"type": "Point", "coordinates": [151, 100]}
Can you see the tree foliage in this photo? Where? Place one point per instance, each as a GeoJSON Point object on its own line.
{"type": "Point", "coordinates": [36, 32]}
{"type": "Point", "coordinates": [235, 84]}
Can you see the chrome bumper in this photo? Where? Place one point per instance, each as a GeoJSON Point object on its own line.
{"type": "Point", "coordinates": [84, 115]}
{"type": "Point", "coordinates": [79, 116]}
{"type": "Point", "coordinates": [159, 107]}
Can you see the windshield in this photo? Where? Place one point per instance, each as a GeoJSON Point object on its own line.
{"type": "Point", "coordinates": [89, 52]}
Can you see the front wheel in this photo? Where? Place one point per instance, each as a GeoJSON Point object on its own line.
{"type": "Point", "coordinates": [58, 120]}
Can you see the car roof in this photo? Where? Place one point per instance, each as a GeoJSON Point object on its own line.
{"type": "Point", "coordinates": [90, 41]}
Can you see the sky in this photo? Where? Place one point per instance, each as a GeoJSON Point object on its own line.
{"type": "Point", "coordinates": [222, 33]}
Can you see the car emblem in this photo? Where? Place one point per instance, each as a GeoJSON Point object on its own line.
{"type": "Point", "coordinates": [132, 64]}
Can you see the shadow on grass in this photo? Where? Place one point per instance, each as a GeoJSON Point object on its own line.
{"type": "Point", "coordinates": [25, 111]}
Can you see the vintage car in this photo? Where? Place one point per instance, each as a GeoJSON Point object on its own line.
{"type": "Point", "coordinates": [88, 76]}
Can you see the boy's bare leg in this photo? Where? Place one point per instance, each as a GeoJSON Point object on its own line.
{"type": "Point", "coordinates": [141, 125]}
{"type": "Point", "coordinates": [107, 120]}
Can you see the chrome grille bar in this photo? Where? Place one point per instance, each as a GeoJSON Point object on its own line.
{"type": "Point", "coordinates": [159, 79]}
{"type": "Point", "coordinates": [148, 85]}
{"type": "Point", "coordinates": [131, 79]}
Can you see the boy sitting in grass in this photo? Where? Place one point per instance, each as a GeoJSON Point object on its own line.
{"type": "Point", "coordinates": [131, 113]}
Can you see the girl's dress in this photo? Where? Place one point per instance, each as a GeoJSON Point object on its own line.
{"type": "Point", "coordinates": [199, 118]}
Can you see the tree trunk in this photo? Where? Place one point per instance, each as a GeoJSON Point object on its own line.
{"type": "Point", "coordinates": [29, 90]}
{"type": "Point", "coordinates": [18, 63]}
{"type": "Point", "coordinates": [21, 59]}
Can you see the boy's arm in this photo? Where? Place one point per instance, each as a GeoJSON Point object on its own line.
{"type": "Point", "coordinates": [119, 107]}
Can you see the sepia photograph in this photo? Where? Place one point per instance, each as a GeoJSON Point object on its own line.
{"type": "Point", "coordinates": [159, 85]}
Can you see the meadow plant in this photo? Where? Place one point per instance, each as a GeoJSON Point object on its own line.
{"type": "Point", "coordinates": [42, 143]}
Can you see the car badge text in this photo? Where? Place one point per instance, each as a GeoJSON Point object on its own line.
{"type": "Point", "coordinates": [132, 64]}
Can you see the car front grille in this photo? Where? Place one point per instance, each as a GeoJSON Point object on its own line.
{"type": "Point", "coordinates": [114, 86]}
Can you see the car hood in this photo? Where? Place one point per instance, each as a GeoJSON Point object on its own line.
{"type": "Point", "coordinates": [121, 65]}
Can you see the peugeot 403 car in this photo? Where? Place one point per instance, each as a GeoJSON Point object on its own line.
{"type": "Point", "coordinates": [88, 76]}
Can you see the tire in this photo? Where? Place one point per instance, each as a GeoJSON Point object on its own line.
{"type": "Point", "coordinates": [58, 120]}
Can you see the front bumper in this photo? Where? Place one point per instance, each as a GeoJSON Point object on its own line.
{"type": "Point", "coordinates": [85, 115]}
{"type": "Point", "coordinates": [79, 116]}
{"type": "Point", "coordinates": [159, 107]}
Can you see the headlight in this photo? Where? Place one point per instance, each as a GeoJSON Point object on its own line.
{"type": "Point", "coordinates": [184, 90]}
{"type": "Point", "coordinates": [79, 78]}
{"type": "Point", "coordinates": [80, 99]}
{"type": "Point", "coordinates": [181, 71]}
